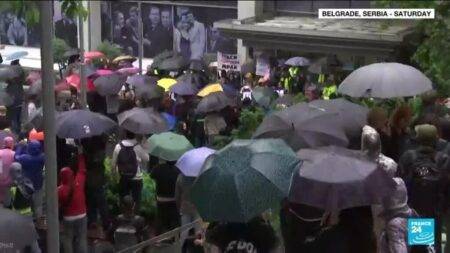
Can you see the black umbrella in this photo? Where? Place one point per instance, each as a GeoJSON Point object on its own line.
{"type": "Point", "coordinates": [175, 62]}
{"type": "Point", "coordinates": [143, 121]}
{"type": "Point", "coordinates": [141, 80]}
{"type": "Point", "coordinates": [303, 126]}
{"type": "Point", "coordinates": [10, 72]}
{"type": "Point", "coordinates": [17, 231]}
{"type": "Point", "coordinates": [185, 86]}
{"type": "Point", "coordinates": [214, 102]}
{"type": "Point", "coordinates": [334, 178]}
{"type": "Point", "coordinates": [352, 116]}
{"type": "Point", "coordinates": [197, 65]}
{"type": "Point", "coordinates": [149, 91]}
{"type": "Point", "coordinates": [79, 124]}
{"type": "Point", "coordinates": [109, 84]}
{"type": "Point", "coordinates": [264, 95]}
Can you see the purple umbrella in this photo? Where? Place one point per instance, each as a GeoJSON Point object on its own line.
{"type": "Point", "coordinates": [190, 164]}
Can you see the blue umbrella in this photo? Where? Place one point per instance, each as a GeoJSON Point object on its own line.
{"type": "Point", "coordinates": [190, 164]}
{"type": "Point", "coordinates": [171, 120]}
{"type": "Point", "coordinates": [16, 55]}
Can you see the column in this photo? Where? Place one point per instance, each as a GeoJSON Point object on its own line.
{"type": "Point", "coordinates": [95, 24]}
{"type": "Point", "coordinates": [247, 9]}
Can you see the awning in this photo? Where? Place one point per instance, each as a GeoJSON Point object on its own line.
{"type": "Point", "coordinates": [310, 34]}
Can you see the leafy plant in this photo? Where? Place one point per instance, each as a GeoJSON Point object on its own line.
{"type": "Point", "coordinates": [249, 120]}
{"type": "Point", "coordinates": [110, 50]}
{"type": "Point", "coordinates": [59, 48]}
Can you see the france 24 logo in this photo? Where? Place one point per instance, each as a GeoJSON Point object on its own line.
{"type": "Point", "coordinates": [421, 232]}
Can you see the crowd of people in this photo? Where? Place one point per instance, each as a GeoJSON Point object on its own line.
{"type": "Point", "coordinates": [412, 149]}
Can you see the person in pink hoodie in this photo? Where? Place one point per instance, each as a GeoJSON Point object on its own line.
{"type": "Point", "coordinates": [6, 159]}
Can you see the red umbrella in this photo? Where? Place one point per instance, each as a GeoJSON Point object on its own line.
{"type": "Point", "coordinates": [93, 54]}
{"type": "Point", "coordinates": [129, 71]}
{"type": "Point", "coordinates": [74, 80]}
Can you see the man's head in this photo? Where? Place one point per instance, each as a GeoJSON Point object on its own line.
{"type": "Point", "coordinates": [166, 19]}
{"type": "Point", "coordinates": [377, 118]}
{"type": "Point", "coordinates": [8, 142]}
{"type": "Point", "coordinates": [133, 12]}
{"type": "Point", "coordinates": [154, 15]}
{"type": "Point", "coordinates": [215, 34]}
{"type": "Point", "coordinates": [119, 18]}
{"type": "Point", "coordinates": [426, 135]}
{"type": "Point", "coordinates": [128, 204]}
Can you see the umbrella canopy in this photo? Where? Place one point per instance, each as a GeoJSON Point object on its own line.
{"type": "Point", "coordinates": [141, 80]}
{"type": "Point", "coordinates": [191, 162]}
{"type": "Point", "coordinates": [173, 63]}
{"type": "Point", "coordinates": [166, 83]}
{"type": "Point", "coordinates": [264, 95]}
{"type": "Point", "coordinates": [18, 230]}
{"type": "Point", "coordinates": [71, 52]}
{"type": "Point", "coordinates": [16, 55]}
{"type": "Point", "coordinates": [93, 55]}
{"type": "Point", "coordinates": [244, 179]}
{"type": "Point", "coordinates": [103, 72]}
{"type": "Point", "coordinates": [214, 102]}
{"type": "Point", "coordinates": [124, 58]}
{"type": "Point", "coordinates": [185, 86]}
{"type": "Point", "coordinates": [79, 124]}
{"type": "Point", "coordinates": [303, 126]}
{"type": "Point", "coordinates": [142, 121]}
{"type": "Point", "coordinates": [149, 91]}
{"type": "Point", "coordinates": [91, 71]}
{"type": "Point", "coordinates": [171, 120]}
{"type": "Point", "coordinates": [169, 146]}
{"type": "Point", "coordinates": [5, 99]}
{"type": "Point", "coordinates": [352, 116]}
{"type": "Point", "coordinates": [297, 61]}
{"type": "Point", "coordinates": [109, 84]}
{"type": "Point", "coordinates": [74, 80]}
{"type": "Point", "coordinates": [215, 87]}
{"type": "Point", "coordinates": [197, 65]}
{"type": "Point", "coordinates": [129, 71]}
{"type": "Point", "coordinates": [10, 72]}
{"type": "Point", "coordinates": [334, 178]}
{"type": "Point", "coordinates": [385, 80]}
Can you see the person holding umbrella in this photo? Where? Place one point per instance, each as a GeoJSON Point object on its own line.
{"type": "Point", "coordinates": [128, 161]}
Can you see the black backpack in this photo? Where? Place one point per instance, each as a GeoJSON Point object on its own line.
{"type": "Point", "coordinates": [425, 184]}
{"type": "Point", "coordinates": [126, 161]}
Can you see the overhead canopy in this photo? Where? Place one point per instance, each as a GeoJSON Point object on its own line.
{"type": "Point", "coordinates": [310, 34]}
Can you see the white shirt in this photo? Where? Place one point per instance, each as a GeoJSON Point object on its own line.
{"type": "Point", "coordinates": [142, 156]}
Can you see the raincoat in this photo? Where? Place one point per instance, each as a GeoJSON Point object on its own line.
{"type": "Point", "coordinates": [32, 160]}
{"type": "Point", "coordinates": [71, 193]}
{"type": "Point", "coordinates": [6, 159]}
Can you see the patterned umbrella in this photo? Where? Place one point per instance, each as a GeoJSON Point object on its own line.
{"type": "Point", "coordinates": [244, 179]}
{"type": "Point", "coordinates": [79, 124]}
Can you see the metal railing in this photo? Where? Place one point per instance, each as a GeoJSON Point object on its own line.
{"type": "Point", "coordinates": [157, 239]}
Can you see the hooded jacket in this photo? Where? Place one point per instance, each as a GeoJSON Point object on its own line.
{"type": "Point", "coordinates": [6, 158]}
{"type": "Point", "coordinates": [32, 160]}
{"type": "Point", "coordinates": [73, 200]}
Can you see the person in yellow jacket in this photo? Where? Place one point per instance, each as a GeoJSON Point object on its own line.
{"type": "Point", "coordinates": [21, 191]}
{"type": "Point", "coordinates": [330, 89]}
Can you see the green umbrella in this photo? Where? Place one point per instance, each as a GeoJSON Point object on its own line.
{"type": "Point", "coordinates": [244, 179]}
{"type": "Point", "coordinates": [169, 146]}
{"type": "Point", "coordinates": [264, 95]}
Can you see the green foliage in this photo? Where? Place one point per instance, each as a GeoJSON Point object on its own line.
{"type": "Point", "coordinates": [110, 50]}
{"type": "Point", "coordinates": [300, 97]}
{"type": "Point", "coordinates": [148, 201]}
{"type": "Point", "coordinates": [59, 48]}
{"type": "Point", "coordinates": [249, 120]}
{"type": "Point", "coordinates": [434, 47]}
{"type": "Point", "coordinates": [74, 8]}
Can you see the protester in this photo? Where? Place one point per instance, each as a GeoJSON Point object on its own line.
{"type": "Point", "coordinates": [128, 228]}
{"type": "Point", "coordinates": [4, 121]}
{"type": "Point", "coordinates": [32, 159]}
{"type": "Point", "coordinates": [6, 159]}
{"type": "Point", "coordinates": [72, 203]}
{"type": "Point", "coordinates": [378, 119]}
{"type": "Point", "coordinates": [352, 234]}
{"type": "Point", "coordinates": [165, 175]}
{"type": "Point", "coordinates": [254, 236]}
{"type": "Point", "coordinates": [187, 210]}
{"type": "Point", "coordinates": [400, 133]}
{"type": "Point", "coordinates": [128, 161]}
{"type": "Point", "coordinates": [14, 89]}
{"type": "Point", "coordinates": [21, 191]}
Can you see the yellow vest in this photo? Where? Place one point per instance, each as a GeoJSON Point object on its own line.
{"type": "Point", "coordinates": [328, 91]}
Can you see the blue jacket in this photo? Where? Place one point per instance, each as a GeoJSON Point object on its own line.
{"type": "Point", "coordinates": [32, 160]}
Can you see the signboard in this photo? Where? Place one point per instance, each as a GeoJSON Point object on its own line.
{"type": "Point", "coordinates": [262, 66]}
{"type": "Point", "coordinates": [228, 62]}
